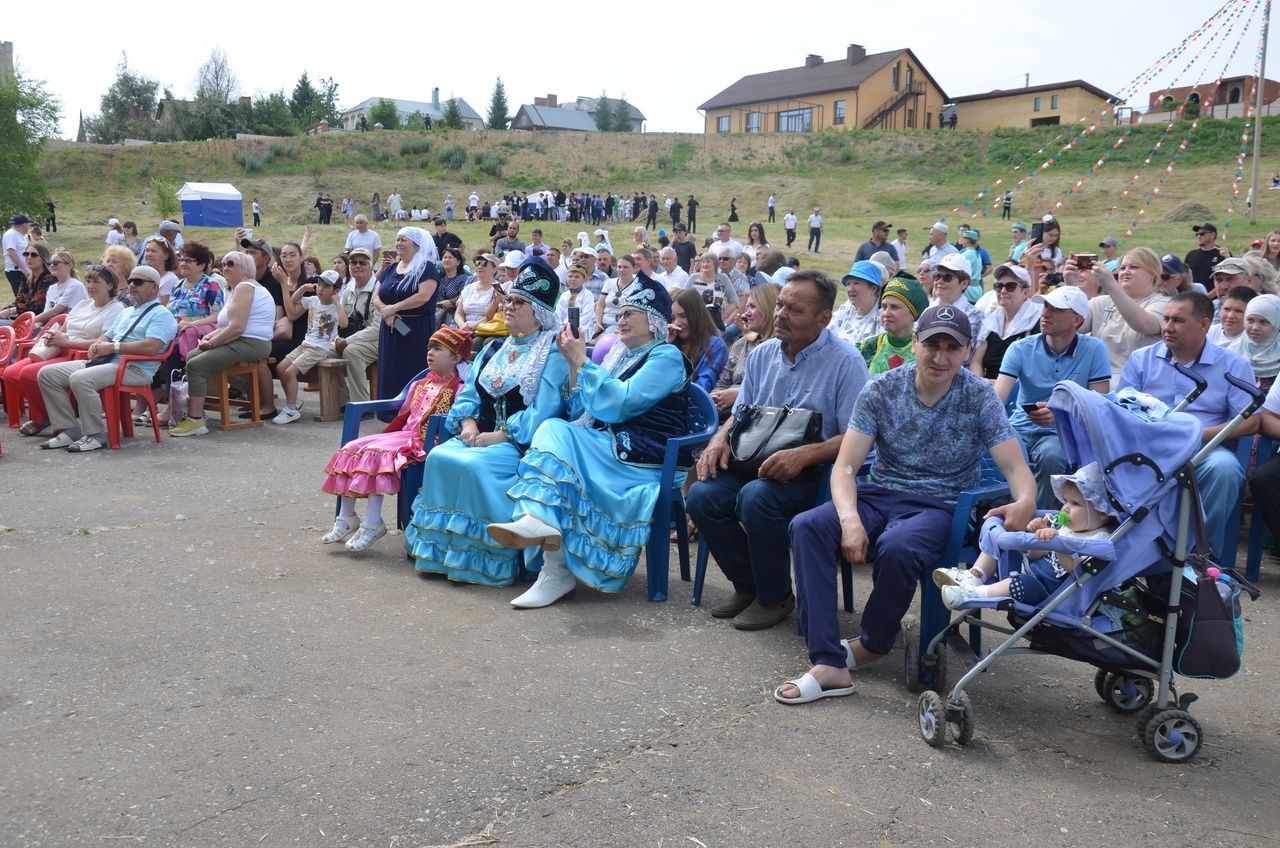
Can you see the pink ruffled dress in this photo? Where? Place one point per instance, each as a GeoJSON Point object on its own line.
{"type": "Point", "coordinates": [371, 465]}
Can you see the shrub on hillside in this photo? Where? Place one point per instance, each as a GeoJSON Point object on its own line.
{"type": "Point", "coordinates": [491, 163]}
{"type": "Point", "coordinates": [453, 157]}
{"type": "Point", "coordinates": [415, 147]}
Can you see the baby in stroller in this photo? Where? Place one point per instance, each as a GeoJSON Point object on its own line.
{"type": "Point", "coordinates": [1086, 514]}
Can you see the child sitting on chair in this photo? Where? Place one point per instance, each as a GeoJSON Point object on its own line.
{"type": "Point", "coordinates": [1086, 514]}
{"type": "Point", "coordinates": [318, 297]}
{"type": "Point", "coordinates": [369, 467]}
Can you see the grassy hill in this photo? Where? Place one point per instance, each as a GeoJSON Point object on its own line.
{"type": "Point", "coordinates": [909, 178]}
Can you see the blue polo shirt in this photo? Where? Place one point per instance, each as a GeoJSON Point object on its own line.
{"type": "Point", "coordinates": [1038, 369]}
{"type": "Point", "coordinates": [826, 377]}
{"type": "Point", "coordinates": [1148, 370]}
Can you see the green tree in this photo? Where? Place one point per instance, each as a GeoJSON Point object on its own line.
{"type": "Point", "coordinates": [385, 112]}
{"type": "Point", "coordinates": [498, 117]}
{"type": "Point", "coordinates": [271, 115]}
{"type": "Point", "coordinates": [312, 103]}
{"type": "Point", "coordinates": [28, 116]}
{"type": "Point", "coordinates": [213, 113]}
{"type": "Point", "coordinates": [622, 115]}
{"type": "Point", "coordinates": [604, 114]}
{"type": "Point", "coordinates": [451, 116]}
{"type": "Point", "coordinates": [128, 109]}
{"type": "Point", "coordinates": [1192, 110]}
{"type": "Point", "coordinates": [327, 107]}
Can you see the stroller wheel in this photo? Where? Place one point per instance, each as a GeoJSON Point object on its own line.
{"type": "Point", "coordinates": [911, 664]}
{"type": "Point", "coordinates": [933, 718]}
{"type": "Point", "coordinates": [1100, 683]}
{"type": "Point", "coordinates": [1172, 736]}
{"type": "Point", "coordinates": [1126, 694]}
{"type": "Point", "coordinates": [960, 717]}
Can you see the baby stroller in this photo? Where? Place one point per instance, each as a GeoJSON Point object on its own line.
{"type": "Point", "coordinates": [1127, 608]}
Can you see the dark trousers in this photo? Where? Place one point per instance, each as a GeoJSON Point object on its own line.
{"type": "Point", "coordinates": [1265, 486]}
{"type": "Point", "coordinates": [1007, 213]}
{"type": "Point", "coordinates": [257, 219]}
{"type": "Point", "coordinates": [743, 521]}
{"type": "Point", "coordinates": [791, 237]}
{"type": "Point", "coordinates": [907, 534]}
{"type": "Point", "coordinates": [815, 238]}
{"type": "Point", "coordinates": [772, 210]}
{"type": "Point", "coordinates": [16, 279]}
{"type": "Point", "coordinates": [652, 221]}
{"type": "Point", "coordinates": [51, 223]}
{"type": "Point", "coordinates": [693, 222]}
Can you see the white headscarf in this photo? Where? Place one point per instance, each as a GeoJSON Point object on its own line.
{"type": "Point", "coordinates": [1264, 356]}
{"type": "Point", "coordinates": [426, 252]}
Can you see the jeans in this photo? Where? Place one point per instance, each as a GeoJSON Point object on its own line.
{"type": "Point", "coordinates": [906, 534]}
{"type": "Point", "coordinates": [744, 525]}
{"type": "Point", "coordinates": [815, 238]}
{"type": "Point", "coordinates": [1220, 478]}
{"type": "Point", "coordinates": [1046, 458]}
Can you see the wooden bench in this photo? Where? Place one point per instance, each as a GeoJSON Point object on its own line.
{"type": "Point", "coordinates": [223, 401]}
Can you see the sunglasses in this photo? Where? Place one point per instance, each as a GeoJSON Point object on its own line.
{"type": "Point", "coordinates": [1166, 277]}
{"type": "Point", "coordinates": [31, 254]}
{"type": "Point", "coordinates": [227, 264]}
{"type": "Point", "coordinates": [944, 276]}
{"type": "Point", "coordinates": [1008, 287]}
{"type": "Point", "coordinates": [133, 281]}
{"type": "Point", "coordinates": [358, 262]}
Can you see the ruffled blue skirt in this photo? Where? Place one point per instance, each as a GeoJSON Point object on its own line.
{"type": "Point", "coordinates": [603, 507]}
{"type": "Point", "coordinates": [464, 490]}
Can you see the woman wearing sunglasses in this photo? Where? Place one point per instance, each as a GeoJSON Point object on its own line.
{"type": "Point", "coordinates": [473, 303]}
{"type": "Point", "coordinates": [1016, 316]}
{"type": "Point", "coordinates": [33, 292]}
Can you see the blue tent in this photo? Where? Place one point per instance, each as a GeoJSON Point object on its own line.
{"type": "Point", "coordinates": [211, 205]}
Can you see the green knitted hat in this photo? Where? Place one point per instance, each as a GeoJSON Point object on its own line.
{"type": "Point", "coordinates": [907, 289]}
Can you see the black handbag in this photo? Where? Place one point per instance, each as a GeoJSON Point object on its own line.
{"type": "Point", "coordinates": [357, 320]}
{"type": "Point", "coordinates": [111, 357]}
{"type": "Point", "coordinates": [761, 431]}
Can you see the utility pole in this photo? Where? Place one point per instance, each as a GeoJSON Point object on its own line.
{"type": "Point", "coordinates": [1260, 86]}
{"type": "Point", "coordinates": [1026, 80]}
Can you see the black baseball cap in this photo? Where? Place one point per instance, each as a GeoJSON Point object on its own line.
{"type": "Point", "coordinates": [944, 319]}
{"type": "Point", "coordinates": [1206, 226]}
{"type": "Point", "coordinates": [257, 244]}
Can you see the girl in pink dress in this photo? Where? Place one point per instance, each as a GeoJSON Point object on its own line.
{"type": "Point", "coordinates": [369, 467]}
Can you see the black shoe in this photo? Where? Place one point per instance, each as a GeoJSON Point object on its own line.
{"type": "Point", "coordinates": [760, 617]}
{"type": "Point", "coordinates": [263, 414]}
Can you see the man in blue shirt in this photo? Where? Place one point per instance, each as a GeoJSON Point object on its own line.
{"type": "Point", "coordinates": [929, 422]}
{"type": "Point", "coordinates": [1149, 369]}
{"type": "Point", "coordinates": [1036, 364]}
{"type": "Point", "coordinates": [879, 241]}
{"type": "Point", "coordinates": [144, 329]}
{"type": "Point", "coordinates": [744, 520]}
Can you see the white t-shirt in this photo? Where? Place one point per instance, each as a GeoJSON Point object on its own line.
{"type": "Point", "coordinates": [815, 221]}
{"type": "Point", "coordinates": [16, 241]}
{"type": "Point", "coordinates": [677, 279]}
{"type": "Point", "coordinates": [719, 247]}
{"type": "Point", "coordinates": [586, 308]}
{"type": "Point", "coordinates": [789, 221]}
{"type": "Point", "coordinates": [87, 321]}
{"type": "Point", "coordinates": [322, 322]}
{"type": "Point", "coordinates": [369, 240]}
{"type": "Point", "coordinates": [66, 294]}
{"type": "Point", "coordinates": [612, 303]}
{"type": "Point", "coordinates": [475, 302]}
{"type": "Point", "coordinates": [473, 200]}
{"type": "Point", "coordinates": [115, 237]}
{"type": "Point", "coordinates": [257, 210]}
{"type": "Point", "coordinates": [167, 281]}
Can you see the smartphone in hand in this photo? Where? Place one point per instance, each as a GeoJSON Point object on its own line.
{"type": "Point", "coordinates": [400, 326]}
{"type": "Point", "coordinates": [575, 320]}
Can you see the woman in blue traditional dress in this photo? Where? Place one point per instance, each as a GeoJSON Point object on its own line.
{"type": "Point", "coordinates": [514, 385]}
{"type": "Point", "coordinates": [406, 297]}
{"type": "Point", "coordinates": [587, 487]}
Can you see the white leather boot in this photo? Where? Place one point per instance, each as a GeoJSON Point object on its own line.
{"type": "Point", "coordinates": [553, 583]}
{"type": "Point", "coordinates": [526, 532]}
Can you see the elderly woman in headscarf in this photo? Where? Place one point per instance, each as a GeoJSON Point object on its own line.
{"type": "Point", "coordinates": [1260, 341]}
{"type": "Point", "coordinates": [514, 386]}
{"type": "Point", "coordinates": [406, 299]}
{"type": "Point", "coordinates": [587, 487]}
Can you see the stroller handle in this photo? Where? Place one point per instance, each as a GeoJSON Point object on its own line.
{"type": "Point", "coordinates": [1201, 384]}
{"type": "Point", "coordinates": [1257, 395]}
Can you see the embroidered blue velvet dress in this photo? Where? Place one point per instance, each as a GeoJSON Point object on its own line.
{"type": "Point", "coordinates": [464, 488]}
{"type": "Point", "coordinates": [596, 478]}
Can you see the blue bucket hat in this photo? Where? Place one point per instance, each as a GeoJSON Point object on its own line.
{"type": "Point", "coordinates": [864, 270]}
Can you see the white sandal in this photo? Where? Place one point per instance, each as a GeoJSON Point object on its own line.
{"type": "Point", "coordinates": [342, 527]}
{"type": "Point", "coordinates": [810, 690]}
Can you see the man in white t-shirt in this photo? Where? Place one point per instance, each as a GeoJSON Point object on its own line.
{"type": "Point", "coordinates": [673, 278]}
{"type": "Point", "coordinates": [395, 205]}
{"type": "Point", "coordinates": [773, 207]}
{"type": "Point", "coordinates": [789, 224]}
{"type": "Point", "coordinates": [15, 242]}
{"type": "Point", "coordinates": [473, 205]}
{"type": "Point", "coordinates": [815, 230]}
{"type": "Point", "coordinates": [725, 241]}
{"type": "Point", "coordinates": [899, 246]}
{"type": "Point", "coordinates": [364, 237]}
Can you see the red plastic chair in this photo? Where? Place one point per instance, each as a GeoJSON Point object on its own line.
{"type": "Point", "coordinates": [15, 405]}
{"type": "Point", "coordinates": [23, 326]}
{"type": "Point", "coordinates": [7, 344]}
{"type": "Point", "coordinates": [118, 407]}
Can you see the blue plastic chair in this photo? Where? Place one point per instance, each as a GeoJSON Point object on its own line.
{"type": "Point", "coordinates": [411, 477]}
{"type": "Point", "coordinates": [703, 423]}
{"type": "Point", "coordinates": [1257, 527]}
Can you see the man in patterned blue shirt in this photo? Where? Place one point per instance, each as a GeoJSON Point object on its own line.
{"type": "Point", "coordinates": [743, 519]}
{"type": "Point", "coordinates": [929, 422]}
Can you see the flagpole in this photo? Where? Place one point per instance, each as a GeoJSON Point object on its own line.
{"type": "Point", "coordinates": [1260, 87]}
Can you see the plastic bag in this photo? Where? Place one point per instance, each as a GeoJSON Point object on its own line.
{"type": "Point", "coordinates": [178, 394]}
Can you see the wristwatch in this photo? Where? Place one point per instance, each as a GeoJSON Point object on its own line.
{"type": "Point", "coordinates": [116, 346]}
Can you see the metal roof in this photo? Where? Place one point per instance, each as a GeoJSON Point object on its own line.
{"type": "Point", "coordinates": [552, 118]}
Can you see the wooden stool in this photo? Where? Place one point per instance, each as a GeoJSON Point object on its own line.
{"type": "Point", "coordinates": [223, 402]}
{"type": "Point", "coordinates": [330, 374]}
{"type": "Point", "coordinates": [372, 373]}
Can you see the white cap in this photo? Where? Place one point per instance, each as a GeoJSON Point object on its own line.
{"type": "Point", "coordinates": [1066, 297]}
{"type": "Point", "coordinates": [113, 222]}
{"type": "Point", "coordinates": [956, 262]}
{"type": "Point", "coordinates": [941, 227]}
{"type": "Point", "coordinates": [513, 259]}
{"type": "Point", "coordinates": [1016, 270]}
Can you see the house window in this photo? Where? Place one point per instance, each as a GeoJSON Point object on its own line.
{"type": "Point", "coordinates": [1053, 102]}
{"type": "Point", "coordinates": [753, 122]}
{"type": "Point", "coordinates": [839, 112]}
{"type": "Point", "coordinates": [795, 120]}
{"type": "Point", "coordinates": [1046, 122]}
{"type": "Point", "coordinates": [1234, 95]}
{"type": "Point", "coordinates": [897, 68]}
{"type": "Point", "coordinates": [911, 75]}
{"type": "Point", "coordinates": [1035, 107]}
{"type": "Point", "coordinates": [911, 119]}
{"type": "Point", "coordinates": [722, 123]}
{"type": "Point", "coordinates": [928, 120]}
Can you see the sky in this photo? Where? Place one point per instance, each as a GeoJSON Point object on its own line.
{"type": "Point", "coordinates": [666, 64]}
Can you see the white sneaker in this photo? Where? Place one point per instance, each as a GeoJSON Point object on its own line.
{"type": "Point", "coordinates": [365, 537]}
{"type": "Point", "coordinates": [527, 532]}
{"type": "Point", "coordinates": [954, 596]}
{"type": "Point", "coordinates": [84, 444]}
{"type": "Point", "coordinates": [342, 527]}
{"type": "Point", "coordinates": [287, 415]}
{"type": "Point", "coordinates": [956, 577]}
{"type": "Point", "coordinates": [553, 583]}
